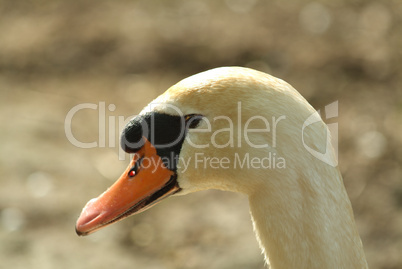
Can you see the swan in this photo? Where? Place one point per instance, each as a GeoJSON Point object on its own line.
{"type": "Point", "coordinates": [218, 130]}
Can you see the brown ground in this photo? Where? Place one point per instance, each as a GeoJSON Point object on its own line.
{"type": "Point", "coordinates": [57, 54]}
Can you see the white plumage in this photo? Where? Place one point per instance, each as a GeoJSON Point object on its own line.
{"type": "Point", "coordinates": [301, 213]}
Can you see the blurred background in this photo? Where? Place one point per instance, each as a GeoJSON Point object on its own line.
{"type": "Point", "coordinates": [119, 55]}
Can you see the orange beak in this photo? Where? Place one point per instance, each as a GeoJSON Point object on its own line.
{"type": "Point", "coordinates": [145, 182]}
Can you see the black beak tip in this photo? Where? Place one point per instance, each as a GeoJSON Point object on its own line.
{"type": "Point", "coordinates": [79, 233]}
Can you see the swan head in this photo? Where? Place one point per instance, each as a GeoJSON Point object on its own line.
{"type": "Point", "coordinates": [229, 128]}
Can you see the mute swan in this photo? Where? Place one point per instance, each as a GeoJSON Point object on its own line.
{"type": "Point", "coordinates": [236, 117]}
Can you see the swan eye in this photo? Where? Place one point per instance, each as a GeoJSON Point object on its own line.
{"type": "Point", "coordinates": [192, 120]}
{"type": "Point", "coordinates": [133, 171]}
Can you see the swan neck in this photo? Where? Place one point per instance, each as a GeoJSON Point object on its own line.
{"type": "Point", "coordinates": [307, 227]}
